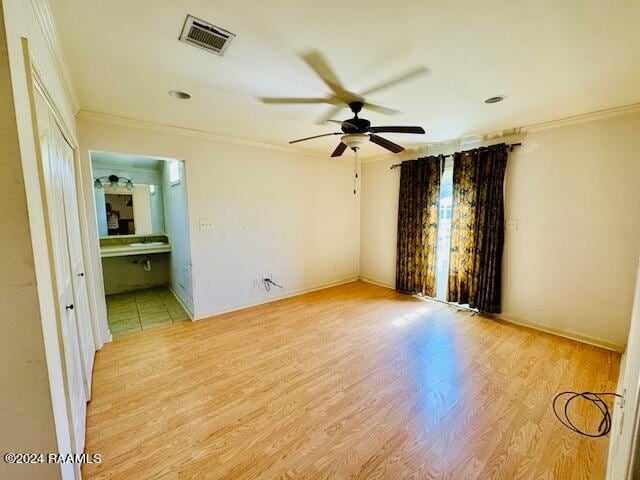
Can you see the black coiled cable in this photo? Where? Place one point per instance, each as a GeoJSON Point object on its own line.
{"type": "Point", "coordinates": [605, 425]}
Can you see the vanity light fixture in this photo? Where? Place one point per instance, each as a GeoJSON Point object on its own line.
{"type": "Point", "coordinates": [114, 181]}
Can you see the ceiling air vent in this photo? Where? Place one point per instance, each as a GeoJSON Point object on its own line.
{"type": "Point", "coordinates": [204, 35]}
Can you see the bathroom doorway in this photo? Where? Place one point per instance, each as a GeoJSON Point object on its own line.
{"type": "Point", "coordinates": [143, 229]}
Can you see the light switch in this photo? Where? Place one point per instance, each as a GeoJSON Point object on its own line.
{"type": "Point", "coordinates": [206, 225]}
{"type": "Point", "coordinates": [512, 225]}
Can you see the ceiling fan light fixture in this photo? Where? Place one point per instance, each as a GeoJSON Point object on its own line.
{"type": "Point", "coordinates": [496, 99]}
{"type": "Point", "coordinates": [354, 140]}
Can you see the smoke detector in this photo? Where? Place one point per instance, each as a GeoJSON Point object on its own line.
{"type": "Point", "coordinates": [205, 35]}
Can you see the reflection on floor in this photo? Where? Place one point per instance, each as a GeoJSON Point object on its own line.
{"type": "Point", "coordinates": [136, 311]}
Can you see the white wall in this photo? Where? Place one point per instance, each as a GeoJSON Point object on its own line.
{"type": "Point", "coordinates": [176, 212]}
{"type": "Point", "coordinates": [570, 265]}
{"type": "Point", "coordinates": [274, 212]}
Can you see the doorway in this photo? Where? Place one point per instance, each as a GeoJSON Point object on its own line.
{"type": "Point", "coordinates": [143, 232]}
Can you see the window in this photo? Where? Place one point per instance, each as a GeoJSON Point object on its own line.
{"type": "Point", "coordinates": [174, 172]}
{"type": "Point", "coordinates": [444, 230]}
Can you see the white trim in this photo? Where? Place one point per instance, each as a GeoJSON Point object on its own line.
{"type": "Point", "coordinates": [494, 137]}
{"type": "Point", "coordinates": [293, 293]}
{"type": "Point", "coordinates": [172, 129]}
{"type": "Point", "coordinates": [182, 304]}
{"type": "Point", "coordinates": [375, 281]}
{"type": "Point", "coordinates": [523, 323]}
{"type": "Point", "coordinates": [461, 142]}
{"type": "Point", "coordinates": [596, 342]}
{"type": "Point", "coordinates": [45, 276]}
{"type": "Point", "coordinates": [41, 86]}
{"type": "Point", "coordinates": [584, 117]}
{"type": "Point", "coordinates": [47, 25]}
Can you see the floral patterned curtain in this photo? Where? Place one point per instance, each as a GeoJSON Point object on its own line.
{"type": "Point", "coordinates": [418, 226]}
{"type": "Point", "coordinates": [477, 228]}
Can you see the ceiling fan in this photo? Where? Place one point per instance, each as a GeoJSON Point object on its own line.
{"type": "Point", "coordinates": [355, 131]}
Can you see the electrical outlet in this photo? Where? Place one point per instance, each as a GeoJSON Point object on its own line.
{"type": "Point", "coordinates": [511, 225]}
{"type": "Point", "coordinates": [206, 225]}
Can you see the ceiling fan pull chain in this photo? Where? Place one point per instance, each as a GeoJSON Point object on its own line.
{"type": "Point", "coordinates": [355, 170]}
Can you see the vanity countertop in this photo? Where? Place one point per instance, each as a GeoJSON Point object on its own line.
{"type": "Point", "coordinates": [124, 250]}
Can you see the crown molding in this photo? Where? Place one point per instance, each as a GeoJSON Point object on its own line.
{"type": "Point", "coordinates": [469, 141]}
{"type": "Point", "coordinates": [472, 141]}
{"type": "Point", "coordinates": [583, 117]}
{"type": "Point", "coordinates": [47, 25]}
{"type": "Point", "coordinates": [190, 132]}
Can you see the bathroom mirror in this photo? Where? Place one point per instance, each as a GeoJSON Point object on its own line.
{"type": "Point", "coordinates": [137, 210]}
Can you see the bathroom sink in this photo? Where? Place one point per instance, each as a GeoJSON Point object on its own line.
{"type": "Point", "coordinates": [147, 244]}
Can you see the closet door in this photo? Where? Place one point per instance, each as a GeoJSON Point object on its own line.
{"type": "Point", "coordinates": [53, 172]}
{"type": "Point", "coordinates": [71, 216]}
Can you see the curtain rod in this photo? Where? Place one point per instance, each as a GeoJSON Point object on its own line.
{"type": "Point", "coordinates": [511, 147]}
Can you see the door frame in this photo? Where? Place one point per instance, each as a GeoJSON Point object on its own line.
{"type": "Point", "coordinates": [45, 267]}
{"type": "Point", "coordinates": [39, 84]}
{"type": "Point", "coordinates": [93, 233]}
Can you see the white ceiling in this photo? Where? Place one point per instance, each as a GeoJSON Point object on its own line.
{"type": "Point", "coordinates": [551, 58]}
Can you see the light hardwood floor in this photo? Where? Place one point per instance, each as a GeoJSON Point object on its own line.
{"type": "Point", "coordinates": [354, 381]}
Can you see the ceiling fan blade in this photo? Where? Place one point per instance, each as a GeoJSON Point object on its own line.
{"type": "Point", "coordinates": [344, 122]}
{"type": "Point", "coordinates": [384, 143]}
{"type": "Point", "coordinates": [288, 100]}
{"type": "Point", "coordinates": [397, 129]}
{"type": "Point", "coordinates": [339, 149]}
{"type": "Point", "coordinates": [319, 64]}
{"type": "Point", "coordinates": [379, 108]}
{"type": "Point", "coordinates": [331, 113]}
{"type": "Point", "coordinates": [414, 72]}
{"type": "Point", "coordinates": [316, 136]}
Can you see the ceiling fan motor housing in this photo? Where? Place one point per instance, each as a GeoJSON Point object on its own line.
{"type": "Point", "coordinates": [356, 125]}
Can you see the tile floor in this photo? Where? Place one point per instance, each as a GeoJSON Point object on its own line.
{"type": "Point", "coordinates": [136, 311]}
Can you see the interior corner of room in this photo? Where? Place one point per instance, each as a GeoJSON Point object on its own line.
{"type": "Point", "coordinates": [238, 247]}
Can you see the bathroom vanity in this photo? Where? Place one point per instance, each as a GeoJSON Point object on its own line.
{"type": "Point", "coordinates": [132, 262]}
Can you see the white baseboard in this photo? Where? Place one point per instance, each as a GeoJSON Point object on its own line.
{"type": "Point", "coordinates": [578, 337]}
{"type": "Point", "coordinates": [292, 293]}
{"type": "Point", "coordinates": [182, 304]}
{"type": "Point", "coordinates": [380, 283]}
{"type": "Point", "coordinates": [525, 323]}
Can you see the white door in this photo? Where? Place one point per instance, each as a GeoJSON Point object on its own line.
{"type": "Point", "coordinates": [71, 216]}
{"type": "Point", "coordinates": [53, 172]}
{"type": "Point", "coordinates": [624, 446]}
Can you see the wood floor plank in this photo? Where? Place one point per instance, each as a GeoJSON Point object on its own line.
{"type": "Point", "coordinates": [355, 381]}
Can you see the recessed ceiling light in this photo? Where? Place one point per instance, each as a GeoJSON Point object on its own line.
{"type": "Point", "coordinates": [179, 94]}
{"type": "Point", "coordinates": [496, 99]}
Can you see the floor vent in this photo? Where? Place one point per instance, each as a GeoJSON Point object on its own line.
{"type": "Point", "coordinates": [204, 35]}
